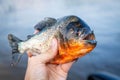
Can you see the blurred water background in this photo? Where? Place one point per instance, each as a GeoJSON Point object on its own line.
{"type": "Point", "coordinates": [103, 16]}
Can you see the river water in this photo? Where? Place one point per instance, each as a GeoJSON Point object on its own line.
{"type": "Point", "coordinates": [103, 16]}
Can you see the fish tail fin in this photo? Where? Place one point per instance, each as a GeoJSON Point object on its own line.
{"type": "Point", "coordinates": [13, 41]}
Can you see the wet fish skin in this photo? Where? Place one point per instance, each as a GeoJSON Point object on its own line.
{"type": "Point", "coordinates": [75, 39]}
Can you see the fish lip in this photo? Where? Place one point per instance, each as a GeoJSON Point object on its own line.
{"type": "Point", "coordinates": [87, 35]}
{"type": "Point", "coordinates": [91, 38]}
{"type": "Point", "coordinates": [92, 42]}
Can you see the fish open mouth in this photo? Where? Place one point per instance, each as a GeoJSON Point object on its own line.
{"type": "Point", "coordinates": [90, 38]}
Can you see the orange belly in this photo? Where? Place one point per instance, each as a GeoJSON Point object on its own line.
{"type": "Point", "coordinates": [70, 51]}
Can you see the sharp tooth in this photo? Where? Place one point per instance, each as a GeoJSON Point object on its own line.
{"type": "Point", "coordinates": [92, 41]}
{"type": "Point", "coordinates": [88, 34]}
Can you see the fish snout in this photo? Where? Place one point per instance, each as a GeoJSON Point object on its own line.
{"type": "Point", "coordinates": [89, 38]}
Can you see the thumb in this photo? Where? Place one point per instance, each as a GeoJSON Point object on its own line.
{"type": "Point", "coordinates": [49, 54]}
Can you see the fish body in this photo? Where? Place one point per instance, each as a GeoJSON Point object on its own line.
{"type": "Point", "coordinates": [74, 36]}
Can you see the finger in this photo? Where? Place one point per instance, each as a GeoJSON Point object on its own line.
{"type": "Point", "coordinates": [49, 54]}
{"type": "Point", "coordinates": [28, 52]}
{"type": "Point", "coordinates": [36, 31]}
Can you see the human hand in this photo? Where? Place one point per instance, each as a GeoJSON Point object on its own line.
{"type": "Point", "coordinates": [39, 69]}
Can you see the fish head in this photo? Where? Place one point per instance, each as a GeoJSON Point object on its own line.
{"type": "Point", "coordinates": [79, 39]}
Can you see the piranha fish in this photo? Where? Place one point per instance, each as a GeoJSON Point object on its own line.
{"type": "Point", "coordinates": [74, 36]}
